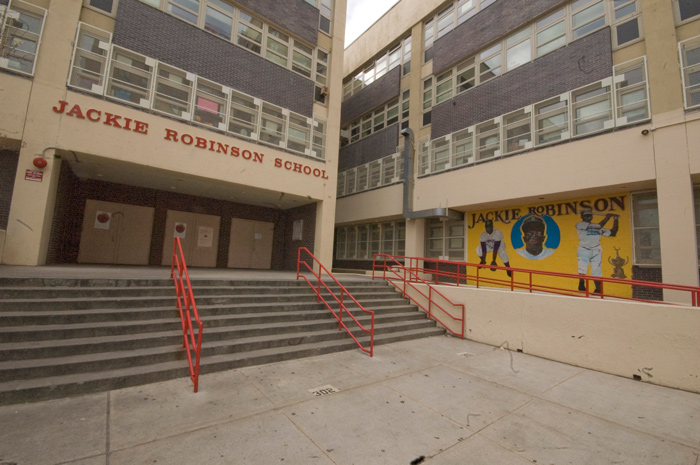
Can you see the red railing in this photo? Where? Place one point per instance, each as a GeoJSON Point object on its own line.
{"type": "Point", "coordinates": [454, 273]}
{"type": "Point", "coordinates": [397, 272]}
{"type": "Point", "coordinates": [303, 265]}
{"type": "Point", "coordinates": [188, 311]}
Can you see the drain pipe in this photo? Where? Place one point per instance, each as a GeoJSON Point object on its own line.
{"type": "Point", "coordinates": [408, 183]}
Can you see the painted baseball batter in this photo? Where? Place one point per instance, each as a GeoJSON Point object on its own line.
{"type": "Point", "coordinates": [590, 251]}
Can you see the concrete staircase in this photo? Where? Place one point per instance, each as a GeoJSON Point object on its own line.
{"type": "Point", "coordinates": [63, 337]}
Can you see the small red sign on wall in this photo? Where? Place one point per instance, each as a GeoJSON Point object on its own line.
{"type": "Point", "coordinates": [34, 175]}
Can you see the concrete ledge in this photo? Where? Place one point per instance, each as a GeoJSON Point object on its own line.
{"type": "Point", "coordinates": [656, 343]}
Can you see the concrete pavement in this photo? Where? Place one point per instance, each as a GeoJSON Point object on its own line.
{"type": "Point", "coordinates": [449, 400]}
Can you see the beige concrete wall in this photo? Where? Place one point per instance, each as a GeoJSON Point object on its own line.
{"type": "Point", "coordinates": [658, 342]}
{"type": "Point", "coordinates": [2, 243]}
{"type": "Point", "coordinates": [14, 94]}
{"type": "Point", "coordinates": [386, 202]}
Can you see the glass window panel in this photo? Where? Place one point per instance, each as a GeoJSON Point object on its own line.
{"type": "Point", "coordinates": [172, 92]}
{"type": "Point", "coordinates": [218, 23]}
{"type": "Point", "coordinates": [243, 119]}
{"type": "Point", "coordinates": [627, 32]}
{"type": "Point", "coordinates": [688, 9]}
{"type": "Point", "coordinates": [210, 104]}
{"type": "Point", "coordinates": [518, 55]}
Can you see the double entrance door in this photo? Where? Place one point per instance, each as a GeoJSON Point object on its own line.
{"type": "Point", "coordinates": [251, 244]}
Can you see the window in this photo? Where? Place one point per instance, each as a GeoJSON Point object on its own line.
{"type": "Point", "coordinates": [551, 32]}
{"type": "Point", "coordinates": [405, 104]}
{"type": "Point", "coordinates": [273, 124]}
{"type": "Point", "coordinates": [488, 139]}
{"type": "Point", "coordinates": [443, 87]}
{"type": "Point", "coordinates": [250, 32]}
{"type": "Point", "coordinates": [445, 239]}
{"type": "Point", "coordinates": [428, 38]}
{"type": "Point", "coordinates": [321, 90]}
{"type": "Point", "coordinates": [211, 101]}
{"type": "Point", "coordinates": [427, 100]}
{"type": "Point", "coordinates": [490, 63]}
{"type": "Point", "coordinates": [299, 133]}
{"type": "Point", "coordinates": [446, 21]}
{"type": "Point", "coordinates": [219, 19]}
{"type": "Point", "coordinates": [587, 16]}
{"type": "Point", "coordinates": [173, 91]}
{"type": "Point", "coordinates": [129, 77]}
{"type": "Point", "coordinates": [466, 76]}
{"type": "Point", "coordinates": [626, 21]}
{"type": "Point", "coordinates": [518, 50]}
{"type": "Point", "coordinates": [362, 242]}
{"type": "Point", "coordinates": [440, 154]}
{"type": "Point", "coordinates": [325, 19]}
{"type": "Point", "coordinates": [690, 63]}
{"type": "Point", "coordinates": [20, 32]}
{"type": "Point", "coordinates": [372, 122]}
{"type": "Point", "coordinates": [631, 92]}
{"type": "Point", "coordinates": [184, 9]}
{"type": "Point", "coordinates": [645, 224]}
{"type": "Point", "coordinates": [517, 131]}
{"type": "Point", "coordinates": [463, 147]}
{"type": "Point", "coordinates": [318, 143]}
{"type": "Point", "coordinates": [106, 6]}
{"type": "Point", "coordinates": [302, 58]}
{"type": "Point", "coordinates": [551, 121]}
{"type": "Point", "coordinates": [686, 10]}
{"type": "Point", "coordinates": [591, 109]}
{"type": "Point", "coordinates": [243, 119]}
{"type": "Point", "coordinates": [396, 55]}
{"type": "Point", "coordinates": [90, 59]}
{"type": "Point", "coordinates": [277, 47]}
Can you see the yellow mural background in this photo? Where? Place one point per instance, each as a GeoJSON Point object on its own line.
{"type": "Point", "coordinates": [565, 214]}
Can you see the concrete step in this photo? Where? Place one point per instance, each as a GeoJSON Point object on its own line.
{"type": "Point", "coordinates": [36, 389]}
{"type": "Point", "coordinates": [65, 337]}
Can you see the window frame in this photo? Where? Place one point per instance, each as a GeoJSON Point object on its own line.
{"type": "Point", "coordinates": [636, 229]}
{"type": "Point", "coordinates": [112, 13]}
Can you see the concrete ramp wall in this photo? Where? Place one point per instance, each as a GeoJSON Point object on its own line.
{"type": "Point", "coordinates": [658, 343]}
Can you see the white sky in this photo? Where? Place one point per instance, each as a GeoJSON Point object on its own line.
{"type": "Point", "coordinates": [362, 14]}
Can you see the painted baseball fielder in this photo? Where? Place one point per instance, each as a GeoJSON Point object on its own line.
{"type": "Point", "coordinates": [491, 240]}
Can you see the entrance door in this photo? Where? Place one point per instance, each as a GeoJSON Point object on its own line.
{"type": "Point", "coordinates": [115, 233]}
{"type": "Point", "coordinates": [199, 236]}
{"type": "Point", "coordinates": [251, 244]}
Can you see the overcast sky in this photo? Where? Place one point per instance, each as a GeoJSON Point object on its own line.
{"type": "Point", "coordinates": [362, 14]}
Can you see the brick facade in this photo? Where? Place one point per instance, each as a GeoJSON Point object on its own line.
{"type": "Point", "coordinates": [647, 274]}
{"type": "Point", "coordinates": [156, 34]}
{"type": "Point", "coordinates": [581, 62]}
{"type": "Point", "coordinates": [8, 169]}
{"type": "Point", "coordinates": [378, 145]}
{"type": "Point", "coordinates": [487, 26]}
{"type": "Point", "coordinates": [381, 91]}
{"type": "Point", "coordinates": [296, 16]}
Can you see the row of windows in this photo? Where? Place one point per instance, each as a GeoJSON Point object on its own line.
{"type": "Point", "coordinates": [612, 102]}
{"type": "Point", "coordinates": [445, 239]}
{"type": "Point", "coordinates": [446, 20]}
{"type": "Point", "coordinates": [690, 65]}
{"type": "Point", "coordinates": [377, 120]}
{"type": "Point", "coordinates": [398, 55]}
{"type": "Point", "coordinates": [250, 32]}
{"type": "Point", "coordinates": [546, 35]}
{"type": "Point", "coordinates": [325, 7]}
{"type": "Point", "coordinates": [21, 25]}
{"type": "Point", "coordinates": [105, 69]}
{"type": "Point", "coordinates": [378, 173]}
{"type": "Point", "coordinates": [361, 242]}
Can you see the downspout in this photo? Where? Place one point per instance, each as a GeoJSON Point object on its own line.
{"type": "Point", "coordinates": [408, 182]}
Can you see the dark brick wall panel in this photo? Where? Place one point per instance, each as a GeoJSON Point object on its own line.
{"type": "Point", "coordinates": [492, 23]}
{"type": "Point", "coordinates": [378, 145]}
{"type": "Point", "coordinates": [296, 16]}
{"type": "Point", "coordinates": [582, 62]}
{"type": "Point", "coordinates": [291, 253]}
{"type": "Point", "coordinates": [8, 170]}
{"type": "Point", "coordinates": [156, 34]}
{"type": "Point", "coordinates": [647, 274]}
{"type": "Point", "coordinates": [359, 265]}
{"type": "Point", "coordinates": [64, 241]}
{"type": "Point", "coordinates": [380, 91]}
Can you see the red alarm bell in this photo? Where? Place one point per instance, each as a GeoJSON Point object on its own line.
{"type": "Point", "coordinates": [40, 162]}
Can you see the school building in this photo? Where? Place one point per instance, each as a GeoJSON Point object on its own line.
{"type": "Point", "coordinates": [126, 123]}
{"type": "Point", "coordinates": [516, 113]}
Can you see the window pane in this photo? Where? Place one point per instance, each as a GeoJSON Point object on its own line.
{"type": "Point", "coordinates": [688, 9]}
{"type": "Point", "coordinates": [218, 23]}
{"type": "Point", "coordinates": [104, 5]}
{"type": "Point", "coordinates": [519, 55]}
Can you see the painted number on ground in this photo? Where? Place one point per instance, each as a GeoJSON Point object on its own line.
{"type": "Point", "coordinates": [323, 390]}
{"type": "Point", "coordinates": [465, 354]}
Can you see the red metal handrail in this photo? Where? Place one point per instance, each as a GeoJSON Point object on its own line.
{"type": "Point", "coordinates": [342, 308]}
{"type": "Point", "coordinates": [188, 310]}
{"type": "Point", "coordinates": [408, 277]}
{"type": "Point", "coordinates": [455, 273]}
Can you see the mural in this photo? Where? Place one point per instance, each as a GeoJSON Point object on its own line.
{"type": "Point", "coordinates": [587, 236]}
